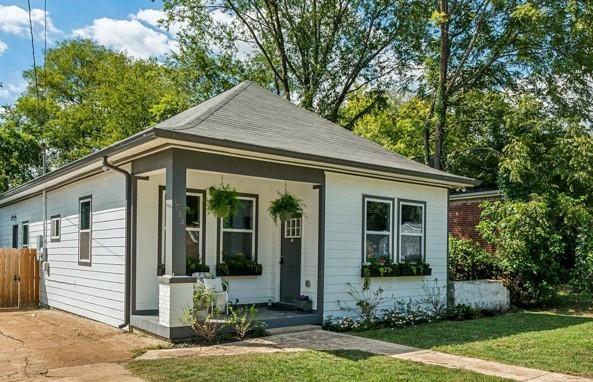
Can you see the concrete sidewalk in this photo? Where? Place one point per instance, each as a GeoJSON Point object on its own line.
{"type": "Point", "coordinates": [324, 340]}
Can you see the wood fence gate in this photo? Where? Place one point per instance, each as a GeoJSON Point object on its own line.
{"type": "Point", "coordinates": [19, 278]}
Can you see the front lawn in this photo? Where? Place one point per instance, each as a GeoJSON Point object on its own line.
{"type": "Point", "coordinates": [554, 342]}
{"type": "Point", "coordinates": [347, 365]}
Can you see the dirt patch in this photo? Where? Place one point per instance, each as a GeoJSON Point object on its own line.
{"type": "Point", "coordinates": [33, 342]}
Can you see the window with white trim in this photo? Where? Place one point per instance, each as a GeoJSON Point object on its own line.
{"type": "Point", "coordinates": [411, 231]}
{"type": "Point", "coordinates": [293, 228]}
{"type": "Point", "coordinates": [55, 223]}
{"type": "Point", "coordinates": [378, 237]}
{"type": "Point", "coordinates": [25, 226]}
{"type": "Point", "coordinates": [85, 230]}
{"type": "Point", "coordinates": [238, 231]}
{"type": "Point", "coordinates": [193, 225]}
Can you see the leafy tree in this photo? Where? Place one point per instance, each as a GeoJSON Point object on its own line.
{"type": "Point", "coordinates": [314, 52]}
{"type": "Point", "coordinates": [542, 229]}
{"type": "Point", "coordinates": [93, 97]}
{"type": "Point", "coordinates": [20, 151]}
{"type": "Point", "coordinates": [537, 46]}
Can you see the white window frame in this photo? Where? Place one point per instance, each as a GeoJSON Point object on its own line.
{"type": "Point", "coordinates": [293, 231]}
{"type": "Point", "coordinates": [253, 229]}
{"type": "Point", "coordinates": [367, 232]}
{"type": "Point", "coordinates": [25, 237]}
{"type": "Point", "coordinates": [88, 199]}
{"type": "Point", "coordinates": [57, 219]}
{"type": "Point", "coordinates": [200, 215]}
{"type": "Point", "coordinates": [421, 235]}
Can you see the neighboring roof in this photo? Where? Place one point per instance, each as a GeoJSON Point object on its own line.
{"type": "Point", "coordinates": [477, 195]}
{"type": "Point", "coordinates": [252, 118]}
{"type": "Point", "coordinates": [249, 116]}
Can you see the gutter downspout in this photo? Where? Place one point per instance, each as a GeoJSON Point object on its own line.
{"type": "Point", "coordinates": [106, 167]}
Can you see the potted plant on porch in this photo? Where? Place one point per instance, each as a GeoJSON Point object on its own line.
{"type": "Point", "coordinates": [285, 206]}
{"type": "Point", "coordinates": [222, 201]}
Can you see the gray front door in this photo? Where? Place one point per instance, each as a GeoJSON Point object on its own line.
{"type": "Point", "coordinates": [290, 263]}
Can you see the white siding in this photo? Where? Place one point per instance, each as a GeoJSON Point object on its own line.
{"type": "Point", "coordinates": [246, 289]}
{"type": "Point", "coordinates": [343, 248]}
{"type": "Point", "coordinates": [95, 291]}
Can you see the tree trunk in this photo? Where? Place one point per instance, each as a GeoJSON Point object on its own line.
{"type": "Point", "coordinates": [441, 97]}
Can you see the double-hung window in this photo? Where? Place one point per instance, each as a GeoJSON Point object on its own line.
{"type": "Point", "coordinates": [55, 228]}
{"type": "Point", "coordinates": [378, 237]}
{"type": "Point", "coordinates": [85, 230]}
{"type": "Point", "coordinates": [193, 225]}
{"type": "Point", "coordinates": [411, 231]}
{"type": "Point", "coordinates": [238, 234]}
{"type": "Point", "coordinates": [25, 234]}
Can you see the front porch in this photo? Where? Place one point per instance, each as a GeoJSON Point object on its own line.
{"type": "Point", "coordinates": [174, 230]}
{"type": "Point", "coordinates": [149, 322]}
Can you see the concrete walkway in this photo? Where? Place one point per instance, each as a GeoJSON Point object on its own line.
{"type": "Point", "coordinates": [324, 340]}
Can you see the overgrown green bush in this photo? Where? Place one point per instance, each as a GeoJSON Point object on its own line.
{"type": "Point", "coordinates": [469, 261]}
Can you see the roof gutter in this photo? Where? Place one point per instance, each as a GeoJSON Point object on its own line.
{"type": "Point", "coordinates": [118, 147]}
{"type": "Point", "coordinates": [127, 288]}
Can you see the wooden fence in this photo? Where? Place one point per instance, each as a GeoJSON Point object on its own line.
{"type": "Point", "coordinates": [19, 278]}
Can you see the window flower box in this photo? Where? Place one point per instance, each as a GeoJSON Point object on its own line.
{"type": "Point", "coordinates": [238, 266]}
{"type": "Point", "coordinates": [386, 268]}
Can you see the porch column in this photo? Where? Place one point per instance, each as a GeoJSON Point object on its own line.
{"type": "Point", "coordinates": [175, 218]}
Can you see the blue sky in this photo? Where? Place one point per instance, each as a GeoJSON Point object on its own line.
{"type": "Point", "coordinates": [127, 25]}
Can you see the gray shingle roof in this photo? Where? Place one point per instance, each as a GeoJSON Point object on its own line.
{"type": "Point", "coordinates": [252, 116]}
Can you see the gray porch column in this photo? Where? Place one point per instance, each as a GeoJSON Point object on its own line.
{"type": "Point", "coordinates": [175, 218]}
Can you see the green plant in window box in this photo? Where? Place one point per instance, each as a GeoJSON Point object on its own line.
{"type": "Point", "coordinates": [238, 265]}
{"type": "Point", "coordinates": [285, 207]}
{"type": "Point", "coordinates": [223, 201]}
{"type": "Point", "coordinates": [380, 267]}
{"type": "Point", "coordinates": [194, 265]}
{"type": "Point", "coordinates": [415, 268]}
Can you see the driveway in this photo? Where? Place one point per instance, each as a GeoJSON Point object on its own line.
{"type": "Point", "coordinates": [37, 344]}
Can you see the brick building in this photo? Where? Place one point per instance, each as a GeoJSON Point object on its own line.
{"type": "Point", "coordinates": [464, 215]}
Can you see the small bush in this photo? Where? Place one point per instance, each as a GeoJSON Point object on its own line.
{"type": "Point", "coordinates": [243, 322]}
{"type": "Point", "coordinates": [469, 261]}
{"type": "Point", "coordinates": [201, 316]}
{"type": "Point", "coordinates": [461, 312]}
{"type": "Point", "coordinates": [366, 303]}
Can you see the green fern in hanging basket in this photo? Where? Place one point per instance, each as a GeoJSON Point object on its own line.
{"type": "Point", "coordinates": [286, 206]}
{"type": "Point", "coordinates": [222, 201]}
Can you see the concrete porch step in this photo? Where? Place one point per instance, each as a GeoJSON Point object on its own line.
{"type": "Point", "coordinates": [293, 329]}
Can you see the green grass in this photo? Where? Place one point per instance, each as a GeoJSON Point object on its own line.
{"type": "Point", "coordinates": [346, 365]}
{"type": "Point", "coordinates": [547, 341]}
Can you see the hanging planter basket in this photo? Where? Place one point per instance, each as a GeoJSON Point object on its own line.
{"type": "Point", "coordinates": [285, 207]}
{"type": "Point", "coordinates": [222, 201]}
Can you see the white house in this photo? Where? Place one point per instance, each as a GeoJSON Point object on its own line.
{"type": "Point", "coordinates": [118, 221]}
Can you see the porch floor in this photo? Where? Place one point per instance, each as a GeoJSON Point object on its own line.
{"type": "Point", "coordinates": [273, 318]}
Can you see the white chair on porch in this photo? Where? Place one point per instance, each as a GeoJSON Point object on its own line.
{"type": "Point", "coordinates": [220, 296]}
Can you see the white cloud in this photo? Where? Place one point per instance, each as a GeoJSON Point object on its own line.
{"type": "Point", "coordinates": [149, 16]}
{"type": "Point", "coordinates": [15, 20]}
{"type": "Point", "coordinates": [3, 47]}
{"type": "Point", "coordinates": [130, 36]}
{"type": "Point", "coordinates": [10, 91]}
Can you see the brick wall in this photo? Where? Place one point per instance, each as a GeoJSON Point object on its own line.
{"type": "Point", "coordinates": [464, 215]}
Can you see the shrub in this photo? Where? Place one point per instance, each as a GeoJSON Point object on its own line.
{"type": "Point", "coordinates": [461, 312]}
{"type": "Point", "coordinates": [469, 261]}
{"type": "Point", "coordinates": [201, 316]}
{"type": "Point", "coordinates": [366, 303]}
{"type": "Point", "coordinates": [343, 324]}
{"type": "Point", "coordinates": [243, 322]}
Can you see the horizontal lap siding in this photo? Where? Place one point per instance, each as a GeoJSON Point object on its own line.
{"type": "Point", "coordinates": [343, 246]}
{"type": "Point", "coordinates": [95, 291]}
